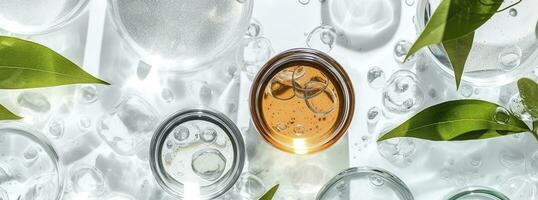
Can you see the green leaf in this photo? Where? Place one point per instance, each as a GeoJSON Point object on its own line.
{"type": "Point", "coordinates": [25, 64]}
{"type": "Point", "coordinates": [458, 50]}
{"type": "Point", "coordinates": [269, 194]}
{"type": "Point", "coordinates": [459, 120]}
{"type": "Point", "coordinates": [5, 114]}
{"type": "Point", "coordinates": [528, 90]}
{"type": "Point", "coordinates": [536, 30]}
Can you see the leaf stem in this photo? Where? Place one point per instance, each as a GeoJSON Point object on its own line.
{"type": "Point", "coordinates": [514, 4]}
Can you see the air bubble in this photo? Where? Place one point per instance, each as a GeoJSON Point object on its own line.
{"type": "Point", "coordinates": [322, 38]}
{"type": "Point", "coordinates": [304, 2]}
{"type": "Point", "coordinates": [376, 180]}
{"type": "Point", "coordinates": [403, 92]}
{"type": "Point", "coordinates": [510, 58]}
{"type": "Point", "coordinates": [88, 93]}
{"type": "Point", "coordinates": [56, 128]}
{"type": "Point", "coordinates": [466, 90]}
{"type": "Point", "coordinates": [400, 52]}
{"type": "Point", "coordinates": [181, 133]}
{"type": "Point", "coordinates": [501, 115]}
{"type": "Point", "coordinates": [209, 135]}
{"type": "Point", "coordinates": [208, 164]}
{"type": "Point", "coordinates": [254, 29]}
{"type": "Point", "coordinates": [376, 77]}
{"type": "Point", "coordinates": [512, 12]}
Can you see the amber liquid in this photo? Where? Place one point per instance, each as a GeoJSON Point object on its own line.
{"type": "Point", "coordinates": [301, 106]}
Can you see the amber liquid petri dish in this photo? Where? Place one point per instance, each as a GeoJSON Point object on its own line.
{"type": "Point", "coordinates": [302, 101]}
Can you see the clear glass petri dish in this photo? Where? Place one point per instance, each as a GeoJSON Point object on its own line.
{"type": "Point", "coordinates": [505, 48]}
{"type": "Point", "coordinates": [197, 154]}
{"type": "Point", "coordinates": [33, 17]}
{"type": "Point", "coordinates": [477, 193]}
{"type": "Point", "coordinates": [29, 165]}
{"type": "Point", "coordinates": [181, 35]}
{"type": "Point", "coordinates": [365, 183]}
{"type": "Point", "coordinates": [302, 101]}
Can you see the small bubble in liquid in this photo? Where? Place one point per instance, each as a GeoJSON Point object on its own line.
{"type": "Point", "coordinates": [181, 133]}
{"type": "Point", "coordinates": [299, 129]}
{"type": "Point", "coordinates": [512, 12]}
{"type": "Point", "coordinates": [88, 93]}
{"type": "Point", "coordinates": [322, 38]}
{"type": "Point", "coordinates": [510, 58]}
{"type": "Point", "coordinates": [280, 127]}
{"type": "Point", "coordinates": [208, 164]}
{"type": "Point", "coordinates": [376, 180]}
{"type": "Point", "coordinates": [400, 51]}
{"type": "Point", "coordinates": [56, 128]}
{"type": "Point", "coordinates": [376, 77]}
{"type": "Point", "coordinates": [409, 2]}
{"type": "Point", "coordinates": [167, 95]}
{"type": "Point", "coordinates": [169, 144]}
{"type": "Point", "coordinates": [501, 115]}
{"type": "Point", "coordinates": [466, 90]}
{"type": "Point", "coordinates": [304, 2]}
{"type": "Point", "coordinates": [254, 29]}
{"type": "Point", "coordinates": [209, 135]}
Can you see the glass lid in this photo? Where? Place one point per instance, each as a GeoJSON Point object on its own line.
{"type": "Point", "coordinates": [477, 193]}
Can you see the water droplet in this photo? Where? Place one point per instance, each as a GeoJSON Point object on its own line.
{"type": "Point", "coordinates": [56, 128]}
{"type": "Point", "coordinates": [501, 115]}
{"type": "Point", "coordinates": [376, 77]}
{"type": "Point", "coordinates": [466, 90]}
{"type": "Point", "coordinates": [84, 123]}
{"type": "Point", "coordinates": [511, 159]}
{"type": "Point", "coordinates": [376, 180]}
{"type": "Point", "coordinates": [517, 108]}
{"type": "Point", "coordinates": [253, 53]}
{"type": "Point", "coordinates": [34, 101]}
{"type": "Point", "coordinates": [476, 161]}
{"type": "Point", "coordinates": [30, 155]}
{"type": "Point", "coordinates": [433, 93]}
{"type": "Point", "coordinates": [254, 29]}
{"type": "Point", "coordinates": [88, 181]}
{"type": "Point", "coordinates": [209, 135]}
{"type": "Point", "coordinates": [88, 93]}
{"type": "Point", "coordinates": [373, 114]}
{"type": "Point", "coordinates": [397, 151]}
{"type": "Point", "coordinates": [304, 2]}
{"type": "Point", "coordinates": [402, 93]}
{"type": "Point", "coordinates": [208, 164]}
{"type": "Point", "coordinates": [181, 134]}
{"type": "Point", "coordinates": [250, 186]}
{"type": "Point", "coordinates": [400, 51]}
{"type": "Point", "coordinates": [167, 95]}
{"type": "Point", "coordinates": [169, 144]}
{"type": "Point", "coordinates": [510, 58]}
{"type": "Point", "coordinates": [512, 12]}
{"type": "Point", "coordinates": [143, 70]}
{"type": "Point", "coordinates": [410, 2]}
{"type": "Point", "coordinates": [322, 38]}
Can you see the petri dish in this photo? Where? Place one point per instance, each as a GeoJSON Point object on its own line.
{"type": "Point", "coordinates": [365, 183]}
{"type": "Point", "coordinates": [32, 17]}
{"type": "Point", "coordinates": [29, 165]}
{"type": "Point", "coordinates": [181, 35]}
{"type": "Point", "coordinates": [302, 101]}
{"type": "Point", "coordinates": [197, 154]}
{"type": "Point", "coordinates": [505, 48]}
{"type": "Point", "coordinates": [477, 193]}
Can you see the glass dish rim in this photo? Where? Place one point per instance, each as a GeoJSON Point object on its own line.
{"type": "Point", "coordinates": [497, 80]}
{"type": "Point", "coordinates": [181, 116]}
{"type": "Point", "coordinates": [476, 190]}
{"type": "Point", "coordinates": [403, 189]}
{"type": "Point", "coordinates": [144, 56]}
{"type": "Point", "coordinates": [41, 140]}
{"type": "Point", "coordinates": [310, 55]}
{"type": "Point", "coordinates": [59, 23]}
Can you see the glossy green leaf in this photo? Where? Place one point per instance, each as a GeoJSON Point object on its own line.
{"type": "Point", "coordinates": [528, 90]}
{"type": "Point", "coordinates": [25, 64]}
{"type": "Point", "coordinates": [458, 50]}
{"type": "Point", "coordinates": [459, 120]}
{"type": "Point", "coordinates": [270, 194]}
{"type": "Point", "coordinates": [5, 114]}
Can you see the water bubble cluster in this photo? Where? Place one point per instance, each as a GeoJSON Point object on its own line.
{"type": "Point", "coordinates": [403, 92]}
{"type": "Point", "coordinates": [322, 38]}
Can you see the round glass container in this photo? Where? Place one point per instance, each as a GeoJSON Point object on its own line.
{"type": "Point", "coordinates": [181, 35]}
{"type": "Point", "coordinates": [365, 183]}
{"type": "Point", "coordinates": [29, 165]}
{"type": "Point", "coordinates": [505, 48]}
{"type": "Point", "coordinates": [477, 193]}
{"type": "Point", "coordinates": [38, 16]}
{"type": "Point", "coordinates": [197, 154]}
{"type": "Point", "coordinates": [302, 101]}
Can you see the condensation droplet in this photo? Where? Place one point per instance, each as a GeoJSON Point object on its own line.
{"type": "Point", "coordinates": [376, 77]}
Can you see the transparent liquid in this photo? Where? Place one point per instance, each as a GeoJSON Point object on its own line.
{"type": "Point", "coordinates": [34, 15]}
{"type": "Point", "coordinates": [197, 152]}
{"type": "Point", "coordinates": [182, 33]}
